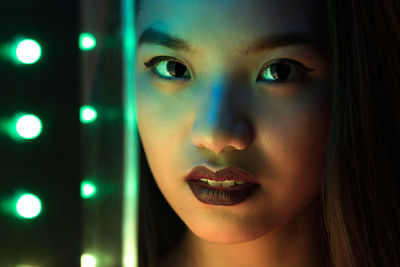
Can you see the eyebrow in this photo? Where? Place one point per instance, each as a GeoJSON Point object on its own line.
{"type": "Point", "coordinates": [157, 37]}
{"type": "Point", "coordinates": [281, 40]}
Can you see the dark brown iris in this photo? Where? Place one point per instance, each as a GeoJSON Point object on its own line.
{"type": "Point", "coordinates": [280, 71]}
{"type": "Point", "coordinates": [176, 69]}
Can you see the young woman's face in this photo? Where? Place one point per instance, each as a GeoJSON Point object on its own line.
{"type": "Point", "coordinates": [248, 88]}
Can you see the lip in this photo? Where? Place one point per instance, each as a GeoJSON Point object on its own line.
{"type": "Point", "coordinates": [230, 173]}
{"type": "Point", "coordinates": [226, 196]}
{"type": "Point", "coordinates": [221, 196]}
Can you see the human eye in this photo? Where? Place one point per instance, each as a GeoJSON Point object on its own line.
{"type": "Point", "coordinates": [168, 68]}
{"type": "Point", "coordinates": [282, 71]}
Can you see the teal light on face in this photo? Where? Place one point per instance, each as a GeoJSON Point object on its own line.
{"type": "Point", "coordinates": [87, 41]}
{"type": "Point", "coordinates": [88, 260]}
{"type": "Point", "coordinates": [88, 114]}
{"type": "Point", "coordinates": [28, 51]}
{"type": "Point", "coordinates": [88, 189]}
{"type": "Point", "coordinates": [28, 126]}
{"type": "Point", "coordinates": [28, 206]}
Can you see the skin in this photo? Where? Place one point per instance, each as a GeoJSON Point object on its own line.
{"type": "Point", "coordinates": [224, 116]}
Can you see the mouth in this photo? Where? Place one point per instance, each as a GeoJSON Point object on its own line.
{"type": "Point", "coordinates": [218, 195]}
{"type": "Point", "coordinates": [227, 187]}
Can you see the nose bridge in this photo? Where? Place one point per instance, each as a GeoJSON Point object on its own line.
{"type": "Point", "coordinates": [217, 105]}
{"type": "Point", "coordinates": [219, 121]}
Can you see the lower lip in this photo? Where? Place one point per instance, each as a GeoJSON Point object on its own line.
{"type": "Point", "coordinates": [226, 196]}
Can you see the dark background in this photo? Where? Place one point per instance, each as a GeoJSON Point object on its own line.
{"type": "Point", "coordinates": [49, 164]}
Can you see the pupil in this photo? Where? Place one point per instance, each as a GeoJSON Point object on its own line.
{"type": "Point", "coordinates": [280, 71]}
{"type": "Point", "coordinates": [176, 69]}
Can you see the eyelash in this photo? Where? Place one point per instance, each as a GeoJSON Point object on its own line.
{"type": "Point", "coordinates": [299, 68]}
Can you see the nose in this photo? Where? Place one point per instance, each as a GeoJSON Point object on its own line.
{"type": "Point", "coordinates": [220, 123]}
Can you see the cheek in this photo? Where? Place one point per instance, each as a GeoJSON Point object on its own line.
{"type": "Point", "coordinates": [295, 147]}
{"type": "Point", "coordinates": [158, 106]}
{"type": "Point", "coordinates": [154, 111]}
{"type": "Point", "coordinates": [159, 121]}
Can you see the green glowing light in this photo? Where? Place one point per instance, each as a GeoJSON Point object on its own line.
{"type": "Point", "coordinates": [87, 41]}
{"type": "Point", "coordinates": [29, 206]}
{"type": "Point", "coordinates": [88, 189]}
{"type": "Point", "coordinates": [28, 51]}
{"type": "Point", "coordinates": [130, 212]}
{"type": "Point", "coordinates": [28, 126]}
{"type": "Point", "coordinates": [88, 114]}
{"type": "Point", "coordinates": [88, 260]}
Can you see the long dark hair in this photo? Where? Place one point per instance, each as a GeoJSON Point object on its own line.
{"type": "Point", "coordinates": [360, 196]}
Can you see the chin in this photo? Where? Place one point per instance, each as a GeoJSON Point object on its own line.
{"type": "Point", "coordinates": [224, 235]}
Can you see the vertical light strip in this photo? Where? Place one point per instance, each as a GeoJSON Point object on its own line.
{"type": "Point", "coordinates": [130, 145]}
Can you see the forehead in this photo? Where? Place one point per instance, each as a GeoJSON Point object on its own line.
{"type": "Point", "coordinates": [228, 20]}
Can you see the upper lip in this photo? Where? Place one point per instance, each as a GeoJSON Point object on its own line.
{"type": "Point", "coordinates": [230, 173]}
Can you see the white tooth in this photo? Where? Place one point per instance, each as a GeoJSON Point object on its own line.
{"type": "Point", "coordinates": [204, 180]}
{"type": "Point", "coordinates": [214, 183]}
{"type": "Point", "coordinates": [238, 182]}
{"type": "Point", "coordinates": [228, 183]}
